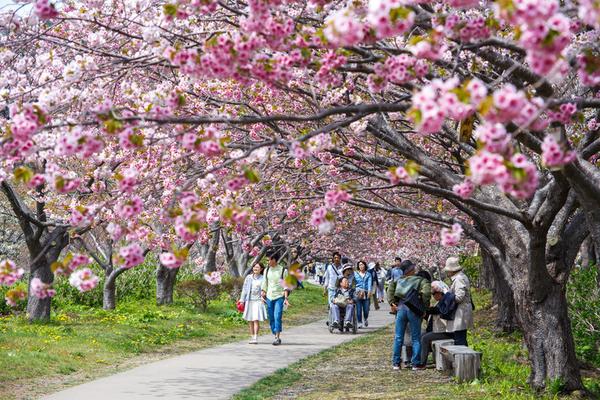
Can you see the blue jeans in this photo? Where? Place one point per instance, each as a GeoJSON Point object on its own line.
{"type": "Point", "coordinates": [348, 316]}
{"type": "Point", "coordinates": [403, 317]}
{"type": "Point", "coordinates": [362, 308]}
{"type": "Point", "coordinates": [275, 312]}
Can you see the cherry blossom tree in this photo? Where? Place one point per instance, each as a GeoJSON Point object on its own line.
{"type": "Point", "coordinates": [478, 117]}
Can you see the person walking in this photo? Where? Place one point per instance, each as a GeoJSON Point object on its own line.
{"type": "Point", "coordinates": [461, 288]}
{"type": "Point", "coordinates": [374, 287]}
{"type": "Point", "coordinates": [275, 295]}
{"type": "Point", "coordinates": [333, 272]}
{"type": "Point", "coordinates": [254, 307]}
{"type": "Point", "coordinates": [395, 273]}
{"type": "Point", "coordinates": [320, 273]}
{"type": "Point", "coordinates": [401, 296]}
{"type": "Point", "coordinates": [380, 272]}
{"type": "Point", "coordinates": [437, 321]}
{"type": "Point", "coordinates": [364, 283]}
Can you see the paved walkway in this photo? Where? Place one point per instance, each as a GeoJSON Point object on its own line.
{"type": "Point", "coordinates": [218, 372]}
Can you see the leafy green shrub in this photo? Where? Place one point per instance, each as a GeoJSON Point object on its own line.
{"type": "Point", "coordinates": [199, 291]}
{"type": "Point", "coordinates": [471, 266]}
{"type": "Point", "coordinates": [583, 295]}
{"type": "Point", "coordinates": [233, 285]}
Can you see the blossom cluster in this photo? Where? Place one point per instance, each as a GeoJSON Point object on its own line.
{"type": "Point", "coordinates": [40, 289]}
{"type": "Point", "coordinates": [398, 175]}
{"type": "Point", "coordinates": [336, 196]}
{"type": "Point", "coordinates": [396, 69]}
{"type": "Point", "coordinates": [553, 154]}
{"type": "Point", "coordinates": [9, 273]}
{"type": "Point", "coordinates": [130, 256]}
{"type": "Point", "coordinates": [451, 237]}
{"type": "Point", "coordinates": [214, 278]}
{"type": "Point", "coordinates": [84, 280]}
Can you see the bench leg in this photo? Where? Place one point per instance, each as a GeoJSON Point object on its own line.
{"type": "Point", "coordinates": [467, 367]}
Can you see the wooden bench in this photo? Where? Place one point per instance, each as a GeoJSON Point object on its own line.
{"type": "Point", "coordinates": [462, 360]}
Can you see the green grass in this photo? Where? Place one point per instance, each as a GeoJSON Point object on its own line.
{"type": "Point", "coordinates": [361, 369]}
{"type": "Point", "coordinates": [86, 342]}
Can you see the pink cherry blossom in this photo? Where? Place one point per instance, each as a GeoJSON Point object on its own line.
{"type": "Point", "coordinates": [45, 10]}
{"type": "Point", "coordinates": [84, 280]}
{"type": "Point", "coordinates": [553, 154]}
{"type": "Point", "coordinates": [131, 255]}
{"type": "Point", "coordinates": [214, 278]}
{"type": "Point", "coordinates": [40, 289]}
{"type": "Point", "coordinates": [335, 197]}
{"type": "Point", "coordinates": [464, 189]}
{"type": "Point", "coordinates": [397, 175]}
{"type": "Point", "coordinates": [451, 237]}
{"type": "Point", "coordinates": [9, 273]}
{"type": "Point", "coordinates": [170, 260]}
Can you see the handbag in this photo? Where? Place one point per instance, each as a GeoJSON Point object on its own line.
{"type": "Point", "coordinates": [412, 300]}
{"type": "Point", "coordinates": [240, 306]}
{"type": "Point", "coordinates": [361, 295]}
{"type": "Point", "coordinates": [340, 300]}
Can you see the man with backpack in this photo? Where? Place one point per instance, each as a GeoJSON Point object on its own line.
{"type": "Point", "coordinates": [409, 296]}
{"type": "Point", "coordinates": [333, 272]}
{"type": "Point", "coordinates": [275, 295]}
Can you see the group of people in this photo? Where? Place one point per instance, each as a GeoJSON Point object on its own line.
{"type": "Point", "coordinates": [409, 293]}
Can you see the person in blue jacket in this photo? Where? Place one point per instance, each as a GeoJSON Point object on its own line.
{"type": "Point", "coordinates": [363, 281]}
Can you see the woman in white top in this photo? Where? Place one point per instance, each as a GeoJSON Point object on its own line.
{"type": "Point", "coordinates": [254, 307]}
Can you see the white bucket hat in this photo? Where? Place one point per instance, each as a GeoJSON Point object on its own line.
{"type": "Point", "coordinates": [452, 265]}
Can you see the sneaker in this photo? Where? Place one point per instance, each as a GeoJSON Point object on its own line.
{"type": "Point", "coordinates": [335, 325]}
{"type": "Point", "coordinates": [360, 325]}
{"type": "Point", "coordinates": [418, 367]}
{"type": "Point", "coordinates": [254, 340]}
{"type": "Point", "coordinates": [396, 367]}
{"type": "Point", "coordinates": [348, 325]}
{"type": "Point", "coordinates": [276, 342]}
{"type": "Point", "coordinates": [407, 365]}
{"type": "Point", "coordinates": [366, 323]}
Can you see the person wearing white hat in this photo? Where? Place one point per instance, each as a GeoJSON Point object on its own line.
{"type": "Point", "coordinates": [461, 288]}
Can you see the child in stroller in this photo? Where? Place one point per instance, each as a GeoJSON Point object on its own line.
{"type": "Point", "coordinates": [342, 313]}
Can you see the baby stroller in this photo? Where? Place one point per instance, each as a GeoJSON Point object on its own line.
{"type": "Point", "coordinates": [342, 315]}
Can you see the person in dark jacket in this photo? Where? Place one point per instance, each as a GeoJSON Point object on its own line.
{"type": "Point", "coordinates": [405, 316]}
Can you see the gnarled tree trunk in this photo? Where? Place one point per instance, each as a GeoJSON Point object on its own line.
{"type": "Point", "coordinates": [165, 284]}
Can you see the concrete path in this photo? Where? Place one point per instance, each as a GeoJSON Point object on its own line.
{"type": "Point", "coordinates": [218, 372]}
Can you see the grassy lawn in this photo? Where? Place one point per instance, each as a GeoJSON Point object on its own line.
{"type": "Point", "coordinates": [361, 369]}
{"type": "Point", "coordinates": [81, 343]}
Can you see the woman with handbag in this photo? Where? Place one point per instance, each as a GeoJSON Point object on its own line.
{"type": "Point", "coordinates": [251, 302]}
{"type": "Point", "coordinates": [363, 285]}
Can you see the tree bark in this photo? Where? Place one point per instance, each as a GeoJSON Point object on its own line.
{"type": "Point", "coordinates": [503, 297]}
{"type": "Point", "coordinates": [547, 333]}
{"type": "Point", "coordinates": [165, 283]}
{"type": "Point", "coordinates": [109, 295]}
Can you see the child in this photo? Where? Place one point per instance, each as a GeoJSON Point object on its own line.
{"type": "Point", "coordinates": [254, 307]}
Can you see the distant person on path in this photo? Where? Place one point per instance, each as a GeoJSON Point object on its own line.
{"type": "Point", "coordinates": [364, 283]}
{"type": "Point", "coordinates": [276, 296]}
{"type": "Point", "coordinates": [348, 294]}
{"type": "Point", "coordinates": [333, 272]}
{"type": "Point", "coordinates": [374, 286]}
{"type": "Point", "coordinates": [254, 307]}
{"type": "Point", "coordinates": [380, 273]}
{"type": "Point", "coordinates": [438, 323]}
{"type": "Point", "coordinates": [461, 288]}
{"type": "Point", "coordinates": [320, 271]}
{"type": "Point", "coordinates": [409, 289]}
{"type": "Point", "coordinates": [394, 273]}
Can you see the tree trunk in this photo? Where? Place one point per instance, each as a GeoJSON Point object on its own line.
{"type": "Point", "coordinates": [165, 283]}
{"type": "Point", "coordinates": [109, 295]}
{"type": "Point", "coordinates": [547, 332]}
{"type": "Point", "coordinates": [506, 319]}
{"type": "Point", "coordinates": [39, 309]}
